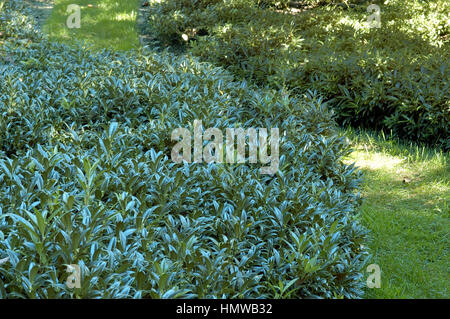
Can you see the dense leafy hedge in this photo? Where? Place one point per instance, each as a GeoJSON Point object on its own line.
{"type": "Point", "coordinates": [15, 21]}
{"type": "Point", "coordinates": [394, 77]}
{"type": "Point", "coordinates": [86, 178]}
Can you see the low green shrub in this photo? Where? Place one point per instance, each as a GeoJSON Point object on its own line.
{"type": "Point", "coordinates": [86, 178]}
{"type": "Point", "coordinates": [393, 78]}
{"type": "Point", "coordinates": [15, 21]}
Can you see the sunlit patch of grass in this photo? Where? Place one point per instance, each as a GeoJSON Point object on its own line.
{"type": "Point", "coordinates": [104, 24]}
{"type": "Point", "coordinates": [406, 192]}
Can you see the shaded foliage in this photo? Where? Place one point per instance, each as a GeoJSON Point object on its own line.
{"type": "Point", "coordinates": [392, 78]}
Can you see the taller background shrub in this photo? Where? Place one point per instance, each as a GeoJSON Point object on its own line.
{"type": "Point", "coordinates": [392, 78]}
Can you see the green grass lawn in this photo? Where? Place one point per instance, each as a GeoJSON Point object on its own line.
{"type": "Point", "coordinates": [406, 192]}
{"type": "Point", "coordinates": [104, 24]}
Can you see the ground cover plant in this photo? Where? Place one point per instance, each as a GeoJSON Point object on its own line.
{"type": "Point", "coordinates": [86, 178]}
{"type": "Point", "coordinates": [393, 78]}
